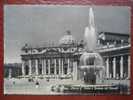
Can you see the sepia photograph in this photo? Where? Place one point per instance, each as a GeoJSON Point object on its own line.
{"type": "Point", "coordinates": [67, 50]}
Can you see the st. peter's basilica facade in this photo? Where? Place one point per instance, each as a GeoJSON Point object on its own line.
{"type": "Point", "coordinates": [62, 61]}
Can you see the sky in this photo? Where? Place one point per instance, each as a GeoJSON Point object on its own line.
{"type": "Point", "coordinates": [39, 24]}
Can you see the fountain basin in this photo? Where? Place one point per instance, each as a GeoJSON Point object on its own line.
{"type": "Point", "coordinates": [89, 67]}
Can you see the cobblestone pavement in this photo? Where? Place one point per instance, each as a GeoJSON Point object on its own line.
{"type": "Point", "coordinates": [22, 86]}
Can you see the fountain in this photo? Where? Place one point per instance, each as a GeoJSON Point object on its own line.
{"type": "Point", "coordinates": [91, 63]}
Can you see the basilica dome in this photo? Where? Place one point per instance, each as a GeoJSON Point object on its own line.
{"type": "Point", "coordinates": [67, 39]}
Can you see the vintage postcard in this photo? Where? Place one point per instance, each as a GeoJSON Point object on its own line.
{"type": "Point", "coordinates": [67, 50]}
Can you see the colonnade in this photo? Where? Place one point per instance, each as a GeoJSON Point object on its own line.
{"type": "Point", "coordinates": [61, 66]}
{"type": "Point", "coordinates": [58, 64]}
{"type": "Point", "coordinates": [114, 66]}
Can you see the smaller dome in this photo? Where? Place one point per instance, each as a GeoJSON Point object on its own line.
{"type": "Point", "coordinates": [67, 39]}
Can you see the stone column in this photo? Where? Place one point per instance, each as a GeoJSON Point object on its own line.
{"type": "Point", "coordinates": [10, 73]}
{"type": "Point", "coordinates": [55, 67]}
{"type": "Point", "coordinates": [75, 71]}
{"type": "Point", "coordinates": [59, 66]}
{"type": "Point", "coordinates": [129, 66]}
{"type": "Point", "coordinates": [68, 67]}
{"type": "Point", "coordinates": [98, 42]}
{"type": "Point", "coordinates": [36, 66]}
{"type": "Point", "coordinates": [121, 67]}
{"type": "Point", "coordinates": [42, 66]}
{"type": "Point", "coordinates": [62, 67]}
{"type": "Point", "coordinates": [48, 66]}
{"type": "Point", "coordinates": [30, 67]}
{"type": "Point", "coordinates": [107, 67]}
{"type": "Point", "coordinates": [23, 68]}
{"type": "Point", "coordinates": [114, 67]}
